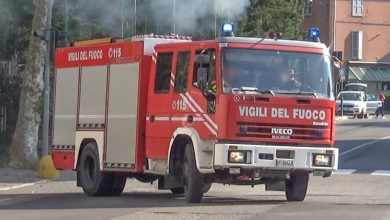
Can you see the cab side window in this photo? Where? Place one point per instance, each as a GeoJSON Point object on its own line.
{"type": "Point", "coordinates": [163, 72]}
{"type": "Point", "coordinates": [204, 66]}
{"type": "Point", "coordinates": [183, 64]}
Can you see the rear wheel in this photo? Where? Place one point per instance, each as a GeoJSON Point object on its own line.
{"type": "Point", "coordinates": [192, 179]}
{"type": "Point", "coordinates": [95, 182]}
{"type": "Point", "coordinates": [118, 184]}
{"type": "Point", "coordinates": [296, 186]}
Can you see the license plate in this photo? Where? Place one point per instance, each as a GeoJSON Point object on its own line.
{"type": "Point", "coordinates": [284, 163]}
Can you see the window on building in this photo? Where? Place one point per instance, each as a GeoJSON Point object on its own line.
{"type": "Point", "coordinates": [357, 45]}
{"type": "Point", "coordinates": [307, 10]}
{"type": "Point", "coordinates": [386, 86]}
{"type": "Point", "coordinates": [183, 64]}
{"type": "Point", "coordinates": [357, 8]}
{"type": "Point", "coordinates": [163, 73]}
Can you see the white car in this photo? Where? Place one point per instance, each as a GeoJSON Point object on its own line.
{"type": "Point", "coordinates": [373, 103]}
{"type": "Point", "coordinates": [354, 103]}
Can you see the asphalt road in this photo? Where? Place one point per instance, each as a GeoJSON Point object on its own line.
{"type": "Point", "coordinates": [364, 147]}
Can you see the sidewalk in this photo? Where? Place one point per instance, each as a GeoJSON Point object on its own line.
{"type": "Point", "coordinates": [10, 178]}
{"type": "Point", "coordinates": [341, 118]}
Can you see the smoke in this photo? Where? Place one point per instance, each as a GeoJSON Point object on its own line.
{"type": "Point", "coordinates": [188, 16]}
{"type": "Point", "coordinates": [99, 18]}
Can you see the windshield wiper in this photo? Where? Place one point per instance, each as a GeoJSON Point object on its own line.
{"type": "Point", "coordinates": [254, 89]}
{"type": "Point", "coordinates": [300, 93]}
{"type": "Point", "coordinates": [267, 92]}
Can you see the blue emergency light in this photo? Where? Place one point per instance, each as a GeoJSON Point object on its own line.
{"type": "Point", "coordinates": [228, 29]}
{"type": "Point", "coordinates": [314, 34]}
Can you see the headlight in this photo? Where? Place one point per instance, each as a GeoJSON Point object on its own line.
{"type": "Point", "coordinates": [239, 156]}
{"type": "Point", "coordinates": [322, 160]}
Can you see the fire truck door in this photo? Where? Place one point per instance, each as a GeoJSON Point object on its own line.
{"type": "Point", "coordinates": [202, 93]}
{"type": "Point", "coordinates": [159, 107]}
{"type": "Point", "coordinates": [181, 111]}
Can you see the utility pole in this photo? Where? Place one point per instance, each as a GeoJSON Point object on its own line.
{"type": "Point", "coordinates": [174, 16]}
{"type": "Point", "coordinates": [135, 17]}
{"type": "Point", "coordinates": [122, 18]}
{"type": "Point", "coordinates": [66, 20]}
{"type": "Point", "coordinates": [215, 19]}
{"type": "Point", "coordinates": [46, 88]}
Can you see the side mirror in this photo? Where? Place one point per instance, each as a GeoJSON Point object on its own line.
{"type": "Point", "coordinates": [201, 78]}
{"type": "Point", "coordinates": [202, 59]}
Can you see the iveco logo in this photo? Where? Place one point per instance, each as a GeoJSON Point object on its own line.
{"type": "Point", "coordinates": [282, 131]}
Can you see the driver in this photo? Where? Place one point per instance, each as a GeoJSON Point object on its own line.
{"type": "Point", "coordinates": [283, 79]}
{"type": "Point", "coordinates": [230, 77]}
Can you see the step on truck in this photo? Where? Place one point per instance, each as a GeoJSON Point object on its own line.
{"type": "Point", "coordinates": [234, 110]}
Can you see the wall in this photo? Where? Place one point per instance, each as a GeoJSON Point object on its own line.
{"type": "Point", "coordinates": [319, 18]}
{"type": "Point", "coordinates": [375, 25]}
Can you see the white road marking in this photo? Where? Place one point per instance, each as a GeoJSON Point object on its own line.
{"type": "Point", "coordinates": [363, 145]}
{"type": "Point", "coordinates": [344, 171]}
{"type": "Point", "coordinates": [22, 185]}
{"type": "Point", "coordinates": [381, 173]}
{"type": "Point", "coordinates": [5, 199]}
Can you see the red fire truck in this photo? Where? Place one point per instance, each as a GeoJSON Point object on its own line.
{"type": "Point", "coordinates": [233, 110]}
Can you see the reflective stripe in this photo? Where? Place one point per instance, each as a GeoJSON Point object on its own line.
{"type": "Point", "coordinates": [194, 103]}
{"type": "Point", "coordinates": [201, 110]}
{"type": "Point", "coordinates": [161, 118]}
{"type": "Point", "coordinates": [179, 118]}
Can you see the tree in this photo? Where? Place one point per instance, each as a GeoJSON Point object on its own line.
{"type": "Point", "coordinates": [273, 15]}
{"type": "Point", "coordinates": [23, 151]}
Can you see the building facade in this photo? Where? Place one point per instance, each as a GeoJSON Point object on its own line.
{"type": "Point", "coordinates": [358, 33]}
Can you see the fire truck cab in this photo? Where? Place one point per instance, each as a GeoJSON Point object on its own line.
{"type": "Point", "coordinates": [233, 110]}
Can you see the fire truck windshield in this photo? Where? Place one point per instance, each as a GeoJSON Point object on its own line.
{"type": "Point", "coordinates": [276, 72]}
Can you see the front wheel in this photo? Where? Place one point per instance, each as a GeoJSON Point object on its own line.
{"type": "Point", "coordinates": [192, 179]}
{"type": "Point", "coordinates": [296, 186]}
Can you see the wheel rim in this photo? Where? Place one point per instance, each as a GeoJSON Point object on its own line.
{"type": "Point", "coordinates": [90, 168]}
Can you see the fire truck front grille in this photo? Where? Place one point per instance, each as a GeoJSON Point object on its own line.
{"type": "Point", "coordinates": [278, 131]}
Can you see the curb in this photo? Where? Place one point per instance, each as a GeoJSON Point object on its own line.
{"type": "Point", "coordinates": [18, 186]}
{"type": "Point", "coordinates": [341, 118]}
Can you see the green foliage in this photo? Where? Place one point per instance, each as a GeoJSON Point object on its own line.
{"type": "Point", "coordinates": [265, 16]}
{"type": "Point", "coordinates": [9, 96]}
{"type": "Point", "coordinates": [15, 20]}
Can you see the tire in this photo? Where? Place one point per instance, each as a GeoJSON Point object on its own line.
{"type": "Point", "coordinates": [180, 190]}
{"type": "Point", "coordinates": [118, 184]}
{"type": "Point", "coordinates": [296, 186]}
{"type": "Point", "coordinates": [192, 178]}
{"type": "Point", "coordinates": [206, 187]}
{"type": "Point", "coordinates": [95, 182]}
{"type": "Point", "coordinates": [177, 191]}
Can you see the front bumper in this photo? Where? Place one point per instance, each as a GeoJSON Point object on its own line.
{"type": "Point", "coordinates": [349, 110]}
{"type": "Point", "coordinates": [260, 157]}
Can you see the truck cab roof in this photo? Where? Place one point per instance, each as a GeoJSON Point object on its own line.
{"type": "Point", "coordinates": [281, 42]}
